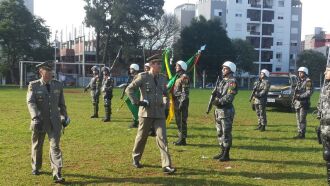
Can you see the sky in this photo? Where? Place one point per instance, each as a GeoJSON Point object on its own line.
{"type": "Point", "coordinates": [65, 14]}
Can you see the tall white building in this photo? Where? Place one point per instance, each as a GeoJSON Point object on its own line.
{"type": "Point", "coordinates": [273, 27]}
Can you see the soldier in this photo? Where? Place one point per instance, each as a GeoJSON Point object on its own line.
{"type": "Point", "coordinates": [224, 112]}
{"type": "Point", "coordinates": [260, 99]}
{"type": "Point", "coordinates": [146, 67]}
{"type": "Point", "coordinates": [181, 101]}
{"type": "Point", "coordinates": [134, 70]}
{"type": "Point", "coordinates": [324, 116]}
{"type": "Point", "coordinates": [45, 101]}
{"type": "Point", "coordinates": [152, 103]}
{"type": "Point", "coordinates": [107, 86]}
{"type": "Point", "coordinates": [95, 86]}
{"type": "Point", "coordinates": [301, 100]}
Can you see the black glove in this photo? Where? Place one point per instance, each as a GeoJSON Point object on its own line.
{"type": "Point", "coordinates": [144, 103]}
{"type": "Point", "coordinates": [216, 102]}
{"type": "Point", "coordinates": [65, 121]}
{"type": "Point", "coordinates": [36, 125]}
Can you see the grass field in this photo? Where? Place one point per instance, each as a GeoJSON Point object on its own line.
{"type": "Point", "coordinates": [98, 153]}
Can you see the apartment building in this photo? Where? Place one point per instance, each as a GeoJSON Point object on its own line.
{"type": "Point", "coordinates": [185, 13]}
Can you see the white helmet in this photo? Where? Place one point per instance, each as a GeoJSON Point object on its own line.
{"type": "Point", "coordinates": [105, 69]}
{"type": "Point", "coordinates": [147, 65]}
{"type": "Point", "coordinates": [303, 69]}
{"type": "Point", "coordinates": [134, 66]}
{"type": "Point", "coordinates": [182, 64]}
{"type": "Point", "coordinates": [230, 65]}
{"type": "Point", "coordinates": [95, 68]}
{"type": "Point", "coordinates": [265, 71]}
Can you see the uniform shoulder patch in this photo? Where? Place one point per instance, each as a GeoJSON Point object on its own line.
{"type": "Point", "coordinates": [308, 83]}
{"type": "Point", "coordinates": [232, 87]}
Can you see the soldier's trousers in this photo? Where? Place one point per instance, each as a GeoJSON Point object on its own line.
{"type": "Point", "coordinates": [261, 114]}
{"type": "Point", "coordinates": [325, 138]}
{"type": "Point", "coordinates": [223, 123]}
{"type": "Point", "coordinates": [161, 140]}
{"type": "Point", "coordinates": [55, 154]}
{"type": "Point", "coordinates": [301, 114]}
{"type": "Point", "coordinates": [107, 103]}
{"type": "Point", "coordinates": [181, 116]}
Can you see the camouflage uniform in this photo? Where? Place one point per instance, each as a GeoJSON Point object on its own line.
{"type": "Point", "coordinates": [95, 86]}
{"type": "Point", "coordinates": [181, 104]}
{"type": "Point", "coordinates": [107, 87]}
{"type": "Point", "coordinates": [224, 112]}
{"type": "Point", "coordinates": [152, 89]}
{"type": "Point", "coordinates": [46, 106]}
{"type": "Point", "coordinates": [303, 93]}
{"type": "Point", "coordinates": [260, 101]}
{"type": "Point", "coordinates": [324, 116]}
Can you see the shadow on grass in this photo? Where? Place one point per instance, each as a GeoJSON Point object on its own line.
{"type": "Point", "coordinates": [278, 148]}
{"type": "Point", "coordinates": [296, 163]}
{"type": "Point", "coordinates": [165, 180]}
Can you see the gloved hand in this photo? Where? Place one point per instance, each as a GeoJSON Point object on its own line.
{"type": "Point", "coordinates": [36, 125]}
{"type": "Point", "coordinates": [85, 90]}
{"type": "Point", "coordinates": [216, 102]}
{"type": "Point", "coordinates": [144, 103]}
{"type": "Point", "coordinates": [65, 121]}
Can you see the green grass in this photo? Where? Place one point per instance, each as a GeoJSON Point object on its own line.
{"type": "Point", "coordinates": [98, 153]}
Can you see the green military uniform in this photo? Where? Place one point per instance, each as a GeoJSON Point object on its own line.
{"type": "Point", "coordinates": [95, 86]}
{"type": "Point", "coordinates": [324, 116]}
{"type": "Point", "coordinates": [260, 101]}
{"type": "Point", "coordinates": [225, 112]}
{"type": "Point", "coordinates": [46, 105]}
{"type": "Point", "coordinates": [152, 89]}
{"type": "Point", "coordinates": [181, 104]}
{"type": "Point", "coordinates": [107, 87]}
{"type": "Point", "coordinates": [303, 92]}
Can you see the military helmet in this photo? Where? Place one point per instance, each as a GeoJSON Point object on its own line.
{"type": "Point", "coordinates": [303, 69]}
{"type": "Point", "coordinates": [182, 64]}
{"type": "Point", "coordinates": [265, 71]}
{"type": "Point", "coordinates": [135, 67]}
{"type": "Point", "coordinates": [147, 65]}
{"type": "Point", "coordinates": [230, 65]}
{"type": "Point", "coordinates": [105, 69]}
{"type": "Point", "coordinates": [95, 68]}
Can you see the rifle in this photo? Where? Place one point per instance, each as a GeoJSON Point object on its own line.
{"type": "Point", "coordinates": [254, 90]}
{"type": "Point", "coordinates": [294, 94]}
{"type": "Point", "coordinates": [116, 59]}
{"type": "Point", "coordinates": [213, 96]}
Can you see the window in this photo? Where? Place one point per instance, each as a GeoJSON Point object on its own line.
{"type": "Point", "coordinates": [239, 1]}
{"type": "Point", "coordinates": [281, 3]}
{"type": "Point", "coordinates": [279, 43]}
{"type": "Point", "coordinates": [218, 12]}
{"type": "Point", "coordinates": [278, 69]}
{"type": "Point", "coordinates": [295, 18]}
{"type": "Point", "coordinates": [294, 30]}
{"type": "Point", "coordinates": [294, 43]}
{"type": "Point", "coordinates": [238, 15]}
{"type": "Point", "coordinates": [280, 17]}
{"type": "Point", "coordinates": [279, 57]}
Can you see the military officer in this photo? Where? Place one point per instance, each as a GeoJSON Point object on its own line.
{"type": "Point", "coordinates": [224, 112]}
{"type": "Point", "coordinates": [95, 86]}
{"type": "Point", "coordinates": [107, 87]}
{"type": "Point", "coordinates": [303, 92]}
{"type": "Point", "coordinates": [324, 116]}
{"type": "Point", "coordinates": [45, 101]}
{"type": "Point", "coordinates": [260, 99]}
{"type": "Point", "coordinates": [181, 101]}
{"type": "Point", "coordinates": [152, 103]}
{"type": "Point", "coordinates": [133, 70]}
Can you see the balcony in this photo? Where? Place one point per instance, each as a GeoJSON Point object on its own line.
{"type": "Point", "coordinates": [254, 15]}
{"type": "Point", "coordinates": [268, 4]}
{"type": "Point", "coordinates": [255, 3]}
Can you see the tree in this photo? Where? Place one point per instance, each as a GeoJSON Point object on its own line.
{"type": "Point", "coordinates": [21, 34]}
{"type": "Point", "coordinates": [245, 55]}
{"type": "Point", "coordinates": [218, 46]}
{"type": "Point", "coordinates": [162, 33]}
{"type": "Point", "coordinates": [121, 22]}
{"type": "Point", "coordinates": [314, 61]}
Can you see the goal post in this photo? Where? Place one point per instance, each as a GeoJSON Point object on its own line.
{"type": "Point", "coordinates": [69, 73]}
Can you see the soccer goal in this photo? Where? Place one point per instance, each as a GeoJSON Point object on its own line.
{"type": "Point", "coordinates": [70, 74]}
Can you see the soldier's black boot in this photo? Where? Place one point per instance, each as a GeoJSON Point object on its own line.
{"type": "Point", "coordinates": [107, 114]}
{"type": "Point", "coordinates": [225, 156]}
{"type": "Point", "coordinates": [299, 136]}
{"type": "Point", "coordinates": [263, 128]}
{"type": "Point", "coordinates": [328, 172]}
{"type": "Point", "coordinates": [218, 156]}
{"type": "Point", "coordinates": [96, 111]}
{"type": "Point", "coordinates": [181, 142]}
{"type": "Point", "coordinates": [58, 178]}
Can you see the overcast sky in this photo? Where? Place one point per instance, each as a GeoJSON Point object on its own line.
{"type": "Point", "coordinates": [62, 14]}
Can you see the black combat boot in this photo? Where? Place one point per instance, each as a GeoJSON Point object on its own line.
{"type": "Point", "coordinates": [181, 142]}
{"type": "Point", "coordinates": [299, 136]}
{"type": "Point", "coordinates": [263, 128]}
{"type": "Point", "coordinates": [58, 178]}
{"type": "Point", "coordinates": [225, 156]}
{"type": "Point", "coordinates": [96, 111]}
{"type": "Point", "coordinates": [107, 114]}
{"type": "Point", "coordinates": [218, 156]}
{"type": "Point", "coordinates": [328, 172]}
